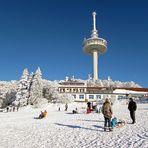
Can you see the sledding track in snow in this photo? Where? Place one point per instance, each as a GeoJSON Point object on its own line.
{"type": "Point", "coordinates": [65, 130]}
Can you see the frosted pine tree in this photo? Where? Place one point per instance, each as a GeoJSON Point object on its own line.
{"type": "Point", "coordinates": [65, 98]}
{"type": "Point", "coordinates": [35, 88]}
{"type": "Point", "coordinates": [23, 89]}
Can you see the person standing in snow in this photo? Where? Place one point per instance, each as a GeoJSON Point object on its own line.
{"type": "Point", "coordinates": [107, 112]}
{"type": "Point", "coordinates": [7, 108]}
{"type": "Point", "coordinates": [13, 108]}
{"type": "Point", "coordinates": [66, 107]}
{"type": "Point", "coordinates": [18, 106]}
{"type": "Point", "coordinates": [132, 106]}
{"type": "Point", "coordinates": [89, 105]}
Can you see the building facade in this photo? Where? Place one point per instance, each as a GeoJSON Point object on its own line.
{"type": "Point", "coordinates": [82, 92]}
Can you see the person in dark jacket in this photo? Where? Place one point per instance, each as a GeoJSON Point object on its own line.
{"type": "Point", "coordinates": [132, 106]}
{"type": "Point", "coordinates": [18, 106]}
{"type": "Point", "coordinates": [107, 112]}
{"type": "Point", "coordinates": [7, 108]}
{"type": "Point", "coordinates": [66, 107]}
{"type": "Point", "coordinates": [89, 105]}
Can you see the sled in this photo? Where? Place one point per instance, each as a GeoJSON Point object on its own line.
{"type": "Point", "coordinates": [120, 124]}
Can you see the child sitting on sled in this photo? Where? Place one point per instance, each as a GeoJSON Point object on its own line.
{"type": "Point", "coordinates": [75, 111]}
{"type": "Point", "coordinates": [115, 123]}
{"type": "Point", "coordinates": [42, 114]}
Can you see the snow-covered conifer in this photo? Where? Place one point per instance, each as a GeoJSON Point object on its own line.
{"type": "Point", "coordinates": [65, 98]}
{"type": "Point", "coordinates": [36, 87]}
{"type": "Point", "coordinates": [23, 89]}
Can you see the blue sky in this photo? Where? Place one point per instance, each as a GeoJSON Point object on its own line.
{"type": "Point", "coordinates": [50, 33]}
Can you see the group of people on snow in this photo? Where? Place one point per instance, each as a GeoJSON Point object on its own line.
{"type": "Point", "coordinates": [109, 121]}
{"type": "Point", "coordinates": [12, 108]}
{"type": "Point", "coordinates": [66, 107]}
{"type": "Point", "coordinates": [75, 111]}
{"type": "Point", "coordinates": [108, 113]}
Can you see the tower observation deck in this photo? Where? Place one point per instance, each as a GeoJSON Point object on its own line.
{"type": "Point", "coordinates": [95, 46]}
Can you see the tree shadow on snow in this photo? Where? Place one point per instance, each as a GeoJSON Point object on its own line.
{"type": "Point", "coordinates": [75, 126]}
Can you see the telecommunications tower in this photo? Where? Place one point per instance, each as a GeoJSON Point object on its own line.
{"type": "Point", "coordinates": [95, 46]}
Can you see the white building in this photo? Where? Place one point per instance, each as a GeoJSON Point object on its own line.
{"type": "Point", "coordinates": [82, 92]}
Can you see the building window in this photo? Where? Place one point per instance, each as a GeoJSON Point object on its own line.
{"type": "Point", "coordinates": [91, 96]}
{"type": "Point", "coordinates": [81, 96]}
{"type": "Point", "coordinates": [81, 90]}
{"type": "Point", "coordinates": [98, 96]}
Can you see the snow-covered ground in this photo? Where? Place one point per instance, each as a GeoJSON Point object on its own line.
{"type": "Point", "coordinates": [65, 130]}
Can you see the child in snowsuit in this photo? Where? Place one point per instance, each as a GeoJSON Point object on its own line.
{"type": "Point", "coordinates": [113, 122]}
{"type": "Point", "coordinates": [44, 114]}
{"type": "Point", "coordinates": [41, 115]}
{"type": "Point", "coordinates": [75, 111]}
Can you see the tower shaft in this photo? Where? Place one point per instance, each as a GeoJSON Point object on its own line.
{"type": "Point", "coordinates": [95, 46]}
{"type": "Point", "coordinates": [95, 65]}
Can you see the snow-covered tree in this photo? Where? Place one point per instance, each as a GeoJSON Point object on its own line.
{"type": "Point", "coordinates": [50, 90]}
{"type": "Point", "coordinates": [65, 98]}
{"type": "Point", "coordinates": [7, 92]}
{"type": "Point", "coordinates": [22, 94]}
{"type": "Point", "coordinates": [10, 97]}
{"type": "Point", "coordinates": [110, 83]}
{"type": "Point", "coordinates": [35, 88]}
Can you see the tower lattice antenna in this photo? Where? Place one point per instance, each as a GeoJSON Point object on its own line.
{"type": "Point", "coordinates": [94, 31]}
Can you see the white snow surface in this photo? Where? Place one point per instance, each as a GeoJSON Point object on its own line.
{"type": "Point", "coordinates": [61, 129]}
